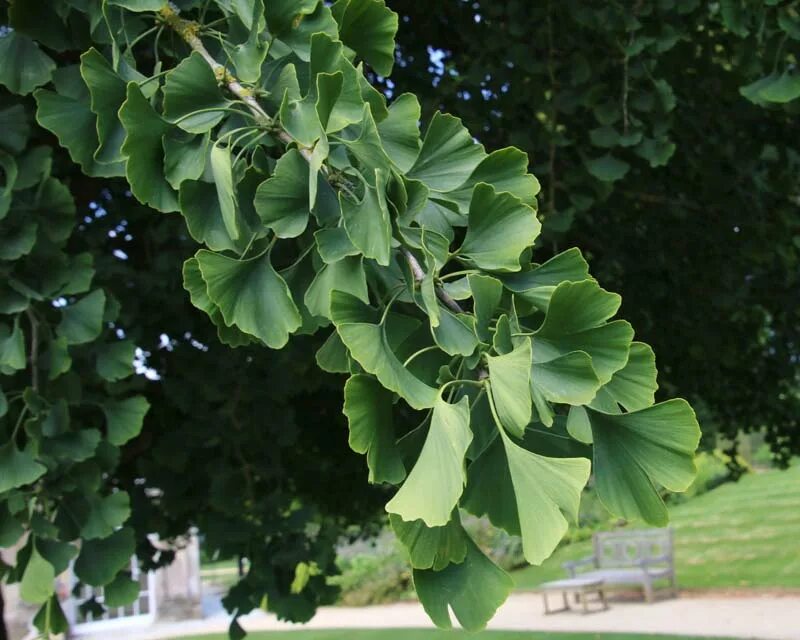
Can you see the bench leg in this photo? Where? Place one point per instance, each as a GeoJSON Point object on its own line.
{"type": "Point", "coordinates": [546, 608]}
{"type": "Point", "coordinates": [584, 604]}
{"type": "Point", "coordinates": [603, 599]}
{"type": "Point", "coordinates": [648, 591]}
{"type": "Point", "coordinates": [673, 585]}
{"type": "Point", "coordinates": [564, 598]}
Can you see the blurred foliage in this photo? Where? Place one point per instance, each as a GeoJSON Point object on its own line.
{"type": "Point", "coordinates": [664, 134]}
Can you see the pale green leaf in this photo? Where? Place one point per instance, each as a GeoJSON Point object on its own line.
{"type": "Point", "coordinates": [431, 547]}
{"type": "Point", "coordinates": [222, 171]}
{"type": "Point", "coordinates": [399, 131]}
{"type": "Point", "coordinates": [634, 452]}
{"type": "Point", "coordinates": [440, 465]}
{"type": "Point", "coordinates": [634, 386]}
{"type": "Point", "coordinates": [509, 380]}
{"type": "Point", "coordinates": [38, 580]}
{"type": "Point", "coordinates": [568, 379]}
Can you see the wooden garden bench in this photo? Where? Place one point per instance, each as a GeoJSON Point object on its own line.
{"type": "Point", "coordinates": [626, 557]}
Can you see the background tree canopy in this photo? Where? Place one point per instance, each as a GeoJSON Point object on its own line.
{"type": "Point", "coordinates": [483, 364]}
{"type": "Point", "coordinates": [662, 134]}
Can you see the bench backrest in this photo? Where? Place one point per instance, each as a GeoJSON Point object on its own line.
{"type": "Point", "coordinates": [628, 548]}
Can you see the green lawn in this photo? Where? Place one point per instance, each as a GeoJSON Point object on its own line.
{"type": "Point", "coordinates": [425, 634]}
{"type": "Point", "coordinates": [741, 534]}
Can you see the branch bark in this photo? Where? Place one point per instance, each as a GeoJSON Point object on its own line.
{"type": "Point", "coordinates": [419, 276]}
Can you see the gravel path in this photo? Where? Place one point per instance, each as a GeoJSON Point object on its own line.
{"type": "Point", "coordinates": [769, 617]}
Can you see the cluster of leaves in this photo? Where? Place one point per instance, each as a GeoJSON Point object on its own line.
{"type": "Point", "coordinates": [662, 133]}
{"type": "Point", "coordinates": [477, 377]}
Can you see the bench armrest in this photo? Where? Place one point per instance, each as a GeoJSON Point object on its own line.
{"type": "Point", "coordinates": [572, 565]}
{"type": "Point", "coordinates": [659, 560]}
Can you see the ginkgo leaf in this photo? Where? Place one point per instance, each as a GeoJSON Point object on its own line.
{"type": "Point", "coordinates": [144, 151]}
{"type": "Point", "coordinates": [474, 589]}
{"type": "Point", "coordinates": [282, 200]}
{"type": "Point", "coordinates": [455, 333]}
{"type": "Point", "coordinates": [12, 348]}
{"type": "Point", "coordinates": [507, 171]}
{"type": "Point", "coordinates": [368, 407]}
{"type": "Point", "coordinates": [121, 591]}
{"type": "Point", "coordinates": [327, 57]}
{"type": "Point", "coordinates": [368, 27]}
{"type": "Point", "coordinates": [486, 293]}
{"type": "Point", "coordinates": [526, 494]}
{"type": "Point", "coordinates": [19, 467]}
{"type": "Point", "coordinates": [440, 464]}
{"type": "Point", "coordinates": [431, 547]}
{"type": "Point", "coordinates": [634, 452]}
{"type": "Point", "coordinates": [82, 321]}
{"type": "Point", "coordinates": [251, 296]}
{"type": "Point", "coordinates": [115, 360]}
{"type": "Point", "coordinates": [367, 222]}
{"type": "Point", "coordinates": [124, 418]}
{"type": "Point", "coordinates": [537, 284]}
{"type": "Point", "coordinates": [634, 386]}
{"type": "Point", "coordinates": [222, 171]}
{"type": "Point", "coordinates": [346, 275]}
{"type": "Point", "coordinates": [106, 514]}
{"type": "Point", "coordinates": [500, 228]}
{"type": "Point", "coordinates": [509, 379]}
{"type": "Point", "coordinates": [204, 217]}
{"type": "Point", "coordinates": [334, 244]}
{"type": "Point", "coordinates": [399, 131]}
{"type": "Point", "coordinates": [108, 91]}
{"type": "Point", "coordinates": [568, 379]}
{"type": "Point", "coordinates": [448, 154]}
{"type": "Point", "coordinates": [25, 66]}
{"type": "Point", "coordinates": [100, 560]}
{"type": "Point", "coordinates": [38, 579]}
{"type": "Point", "coordinates": [192, 98]}
{"type": "Point", "coordinates": [368, 343]}
{"type": "Point", "coordinates": [576, 321]}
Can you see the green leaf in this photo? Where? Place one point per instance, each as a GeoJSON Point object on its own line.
{"type": "Point", "coordinates": [115, 360]}
{"type": "Point", "coordinates": [486, 292]}
{"type": "Point", "coordinates": [106, 515]}
{"type": "Point", "coordinates": [50, 618]}
{"type": "Point", "coordinates": [221, 169]}
{"type": "Point", "coordinates": [634, 452]}
{"type": "Point", "coordinates": [537, 284]}
{"type": "Point", "coordinates": [656, 151]}
{"type": "Point", "coordinates": [58, 358]}
{"type": "Point", "coordinates": [204, 218]}
{"type": "Point", "coordinates": [399, 131]}
{"type": "Point", "coordinates": [12, 347]}
{"type": "Point", "coordinates": [138, 5]}
{"type": "Point", "coordinates": [346, 275]}
{"type": "Point", "coordinates": [121, 592]}
{"type": "Point", "coordinates": [184, 157]}
{"type": "Point", "coordinates": [251, 296]}
{"type": "Point", "coordinates": [38, 580]}
{"type": "Point", "coordinates": [368, 407]}
{"type": "Point", "coordinates": [108, 92]}
{"type": "Point", "coordinates": [568, 379]}
{"type": "Point", "coordinates": [334, 244]}
{"type": "Point", "coordinates": [327, 57]}
{"type": "Point", "coordinates": [143, 148]}
{"type": "Point", "coordinates": [15, 127]}
{"type": "Point", "coordinates": [332, 355]}
{"type": "Point", "coordinates": [370, 347]}
{"type": "Point", "coordinates": [72, 446]}
{"type": "Point", "coordinates": [100, 560]}
{"type": "Point", "coordinates": [282, 201]}
{"type": "Point", "coordinates": [525, 493]}
{"type": "Point", "coordinates": [781, 88]}
{"type": "Point", "coordinates": [474, 589]}
{"type": "Point", "coordinates": [124, 418]}
{"type": "Point", "coordinates": [19, 242]}
{"type": "Point", "coordinates": [368, 27]}
{"type": "Point", "coordinates": [19, 467]}
{"type": "Point", "coordinates": [367, 222]}
{"type": "Point", "coordinates": [82, 321]}
{"type": "Point", "coordinates": [301, 120]}
{"type": "Point", "coordinates": [284, 15]}
{"type": "Point", "coordinates": [10, 529]}
{"type": "Point", "coordinates": [189, 88]}
{"type": "Point", "coordinates": [448, 155]}
{"type": "Point", "coordinates": [509, 380]}
{"type": "Point", "coordinates": [576, 321]}
{"type": "Point", "coordinates": [500, 228]}
{"type": "Point", "coordinates": [607, 168]}
{"type": "Point", "coordinates": [634, 386]}
{"type": "Point", "coordinates": [431, 547]}
{"type": "Point", "coordinates": [367, 146]}
{"type": "Point", "coordinates": [455, 333]}
{"type": "Point", "coordinates": [25, 66]}
{"type": "Point", "coordinates": [440, 465]}
{"type": "Point", "coordinates": [507, 171]}
{"type": "Point", "coordinates": [300, 36]}
{"type": "Point", "coordinates": [71, 120]}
